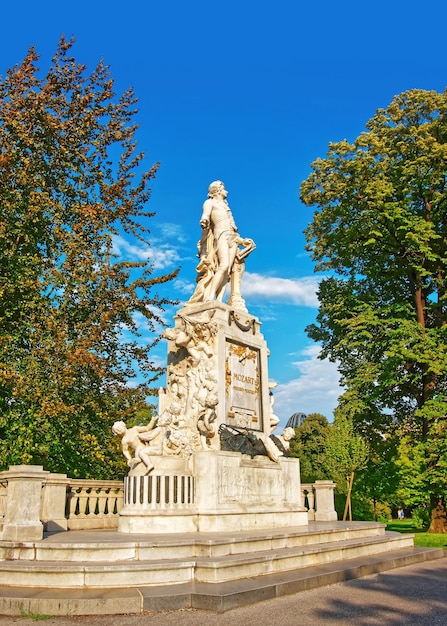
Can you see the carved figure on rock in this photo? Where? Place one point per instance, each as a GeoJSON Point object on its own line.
{"type": "Point", "coordinates": [219, 248]}
{"type": "Point", "coordinates": [177, 382]}
{"type": "Point", "coordinates": [132, 442]}
{"type": "Point", "coordinates": [256, 443]}
{"type": "Point", "coordinates": [196, 337]}
{"type": "Point", "coordinates": [175, 412]}
{"type": "Point", "coordinates": [277, 446]}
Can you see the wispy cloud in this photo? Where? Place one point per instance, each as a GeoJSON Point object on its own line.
{"type": "Point", "coordinates": [172, 232]}
{"type": "Point", "coordinates": [162, 256]}
{"type": "Point", "coordinates": [185, 287]}
{"type": "Point", "coordinates": [316, 390]}
{"type": "Point", "coordinates": [299, 291]}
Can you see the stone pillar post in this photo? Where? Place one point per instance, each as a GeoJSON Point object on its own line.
{"type": "Point", "coordinates": [23, 502]}
{"type": "Point", "coordinates": [324, 496]}
{"type": "Point", "coordinates": [53, 503]}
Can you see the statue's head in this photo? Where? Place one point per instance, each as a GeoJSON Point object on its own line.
{"type": "Point", "coordinates": [288, 433]}
{"type": "Point", "coordinates": [164, 419]}
{"type": "Point", "coordinates": [215, 188]}
{"type": "Point", "coordinates": [211, 400]}
{"type": "Point", "coordinates": [175, 408]}
{"type": "Point", "coordinates": [119, 428]}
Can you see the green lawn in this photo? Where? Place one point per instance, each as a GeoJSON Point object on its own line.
{"type": "Point", "coordinates": [421, 538]}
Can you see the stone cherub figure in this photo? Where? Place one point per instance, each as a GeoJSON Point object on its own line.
{"type": "Point", "coordinates": [277, 445]}
{"type": "Point", "coordinates": [139, 442]}
{"type": "Point", "coordinates": [220, 252]}
{"type": "Point", "coordinates": [205, 423]}
{"type": "Point", "coordinates": [287, 434]}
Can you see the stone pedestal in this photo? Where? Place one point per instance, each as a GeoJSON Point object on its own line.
{"type": "Point", "coordinates": [217, 380]}
{"type": "Point", "coordinates": [53, 503]}
{"type": "Point", "coordinates": [162, 502]}
{"type": "Point", "coordinates": [22, 515]}
{"type": "Point", "coordinates": [222, 492]}
{"type": "Point", "coordinates": [324, 495]}
{"type": "Point", "coordinates": [236, 493]}
{"type": "Point", "coordinates": [215, 349]}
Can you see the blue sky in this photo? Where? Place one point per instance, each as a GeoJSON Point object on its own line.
{"type": "Point", "coordinates": [249, 93]}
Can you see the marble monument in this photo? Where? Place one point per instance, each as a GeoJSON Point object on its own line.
{"type": "Point", "coordinates": [208, 460]}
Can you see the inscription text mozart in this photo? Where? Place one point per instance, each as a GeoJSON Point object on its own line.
{"type": "Point", "coordinates": [244, 379]}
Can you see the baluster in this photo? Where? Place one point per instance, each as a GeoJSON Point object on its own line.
{"type": "Point", "coordinates": [85, 509]}
{"type": "Point", "coordinates": [311, 500]}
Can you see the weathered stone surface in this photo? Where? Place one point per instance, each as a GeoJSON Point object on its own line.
{"type": "Point", "coordinates": [22, 515]}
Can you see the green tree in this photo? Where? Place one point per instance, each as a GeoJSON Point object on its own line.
{"type": "Point", "coordinates": [345, 453]}
{"type": "Point", "coordinates": [309, 445]}
{"type": "Point", "coordinates": [380, 228]}
{"type": "Point", "coordinates": [422, 470]}
{"type": "Point", "coordinates": [71, 180]}
{"type": "Point", "coordinates": [378, 480]}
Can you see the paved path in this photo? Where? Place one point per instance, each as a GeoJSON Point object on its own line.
{"type": "Point", "coordinates": [410, 596]}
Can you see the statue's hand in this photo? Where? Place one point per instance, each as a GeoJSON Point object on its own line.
{"type": "Point", "coordinates": [204, 223]}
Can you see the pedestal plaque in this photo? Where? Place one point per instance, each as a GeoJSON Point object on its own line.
{"type": "Point", "coordinates": [243, 386]}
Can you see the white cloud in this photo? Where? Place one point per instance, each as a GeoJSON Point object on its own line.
{"type": "Point", "coordinates": [316, 390]}
{"type": "Point", "coordinates": [171, 231]}
{"type": "Point", "coordinates": [162, 256]}
{"type": "Point", "coordinates": [184, 286]}
{"type": "Point", "coordinates": [299, 291]}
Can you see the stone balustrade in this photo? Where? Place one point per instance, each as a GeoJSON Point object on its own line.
{"type": "Point", "coordinates": [93, 503]}
{"type": "Point", "coordinates": [308, 499]}
{"type": "Point", "coordinates": [159, 492]}
{"type": "Point", "coordinates": [56, 503]}
{"type": "Point", "coordinates": [318, 499]}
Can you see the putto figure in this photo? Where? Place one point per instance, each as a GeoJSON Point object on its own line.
{"type": "Point", "coordinates": [221, 249]}
{"type": "Point", "coordinates": [142, 441]}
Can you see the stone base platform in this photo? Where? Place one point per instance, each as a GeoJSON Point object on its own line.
{"type": "Point", "coordinates": [104, 572]}
{"type": "Point", "coordinates": [215, 492]}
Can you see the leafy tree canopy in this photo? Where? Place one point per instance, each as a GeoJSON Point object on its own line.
{"type": "Point", "coordinates": [380, 229]}
{"type": "Point", "coordinates": [71, 179]}
{"type": "Point", "coordinates": [309, 445]}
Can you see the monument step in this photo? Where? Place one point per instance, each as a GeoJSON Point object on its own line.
{"type": "Point", "coordinates": [94, 546]}
{"type": "Point", "coordinates": [210, 569]}
{"type": "Point", "coordinates": [235, 566]}
{"type": "Point", "coordinates": [208, 596]}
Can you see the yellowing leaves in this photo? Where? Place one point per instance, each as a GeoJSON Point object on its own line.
{"type": "Point", "coordinates": [71, 179]}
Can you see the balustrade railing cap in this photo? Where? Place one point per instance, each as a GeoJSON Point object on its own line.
{"type": "Point", "coordinates": [24, 471]}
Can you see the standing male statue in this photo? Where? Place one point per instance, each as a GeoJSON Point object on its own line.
{"type": "Point", "coordinates": [219, 248]}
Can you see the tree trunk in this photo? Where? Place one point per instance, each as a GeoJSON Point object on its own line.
{"type": "Point", "coordinates": [348, 499]}
{"type": "Point", "coordinates": [438, 523]}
